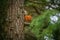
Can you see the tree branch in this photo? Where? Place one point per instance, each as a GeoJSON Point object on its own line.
{"type": "Point", "coordinates": [37, 11]}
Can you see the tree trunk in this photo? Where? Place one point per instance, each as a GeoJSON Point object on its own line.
{"type": "Point", "coordinates": [14, 21]}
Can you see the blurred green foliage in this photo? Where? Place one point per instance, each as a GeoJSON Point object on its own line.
{"type": "Point", "coordinates": [42, 26]}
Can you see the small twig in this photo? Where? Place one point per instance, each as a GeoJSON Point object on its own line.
{"type": "Point", "coordinates": [36, 2]}
{"type": "Point", "coordinates": [37, 11]}
{"type": "Point", "coordinates": [26, 24]}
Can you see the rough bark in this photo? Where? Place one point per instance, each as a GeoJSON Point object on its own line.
{"type": "Point", "coordinates": [14, 21]}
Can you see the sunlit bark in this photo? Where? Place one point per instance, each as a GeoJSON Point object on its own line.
{"type": "Point", "coordinates": [14, 21]}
